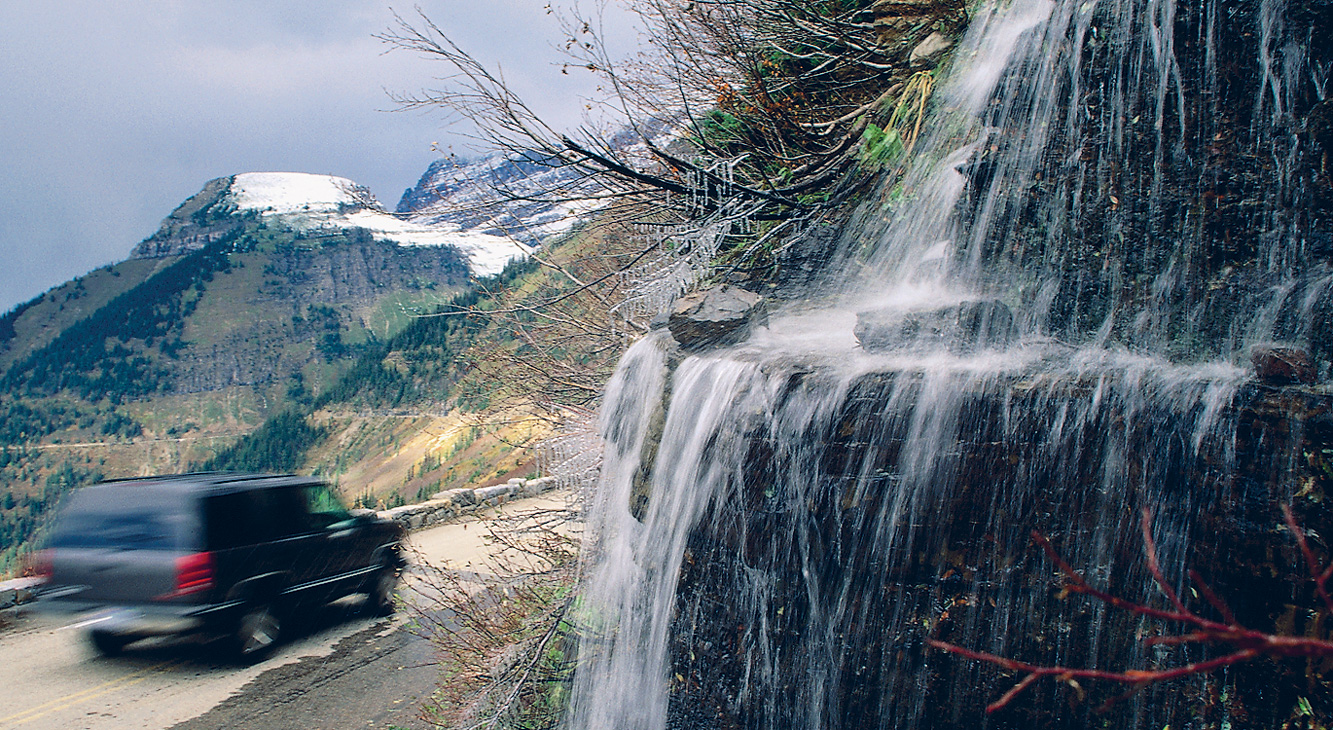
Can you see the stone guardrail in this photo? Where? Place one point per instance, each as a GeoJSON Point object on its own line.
{"type": "Point", "coordinates": [448, 505]}
{"type": "Point", "coordinates": [441, 507]}
{"type": "Point", "coordinates": [17, 591]}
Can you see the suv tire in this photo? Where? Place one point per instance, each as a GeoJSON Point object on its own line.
{"type": "Point", "coordinates": [107, 643]}
{"type": "Point", "coordinates": [257, 631]}
{"type": "Point", "coordinates": [379, 597]}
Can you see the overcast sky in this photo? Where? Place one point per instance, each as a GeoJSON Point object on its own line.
{"type": "Point", "coordinates": [114, 113]}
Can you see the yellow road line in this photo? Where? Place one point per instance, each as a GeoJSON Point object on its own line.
{"type": "Point", "coordinates": [46, 708]}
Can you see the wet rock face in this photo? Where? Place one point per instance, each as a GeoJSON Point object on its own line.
{"type": "Point", "coordinates": [716, 317]}
{"type": "Point", "coordinates": [1171, 213]}
{"type": "Point", "coordinates": [796, 601]}
{"type": "Point", "coordinates": [1276, 365]}
{"type": "Point", "coordinates": [962, 328]}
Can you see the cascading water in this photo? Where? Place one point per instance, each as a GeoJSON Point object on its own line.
{"type": "Point", "coordinates": [1054, 311]}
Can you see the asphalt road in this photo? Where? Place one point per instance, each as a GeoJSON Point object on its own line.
{"type": "Point", "coordinates": [340, 669]}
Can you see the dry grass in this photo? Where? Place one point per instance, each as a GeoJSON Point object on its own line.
{"type": "Point", "coordinates": [502, 629]}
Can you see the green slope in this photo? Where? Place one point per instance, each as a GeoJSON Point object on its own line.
{"type": "Point", "coordinates": [156, 363]}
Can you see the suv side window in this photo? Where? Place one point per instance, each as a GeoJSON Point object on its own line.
{"type": "Point", "coordinates": [237, 520]}
{"type": "Point", "coordinates": [288, 507]}
{"type": "Point", "coordinates": [324, 508]}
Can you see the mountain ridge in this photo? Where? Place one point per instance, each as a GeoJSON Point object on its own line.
{"type": "Point", "coordinates": [506, 196]}
{"type": "Point", "coordinates": [262, 296]}
{"type": "Point", "coordinates": [314, 207]}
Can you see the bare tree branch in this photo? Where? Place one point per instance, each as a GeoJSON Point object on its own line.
{"type": "Point", "coordinates": [1247, 643]}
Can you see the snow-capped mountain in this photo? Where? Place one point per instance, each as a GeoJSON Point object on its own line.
{"type": "Point", "coordinates": [509, 196]}
{"type": "Point", "coordinates": [315, 205]}
{"type": "Point", "coordinates": [493, 209]}
{"type": "Point", "coordinates": [524, 196]}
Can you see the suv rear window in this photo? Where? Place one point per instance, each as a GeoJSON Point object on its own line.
{"type": "Point", "coordinates": [139, 517]}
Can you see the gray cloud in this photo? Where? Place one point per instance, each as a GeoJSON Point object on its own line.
{"type": "Point", "coordinates": [116, 112]}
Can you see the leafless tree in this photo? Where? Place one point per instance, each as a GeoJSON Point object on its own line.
{"type": "Point", "coordinates": [738, 110]}
{"type": "Point", "coordinates": [740, 122]}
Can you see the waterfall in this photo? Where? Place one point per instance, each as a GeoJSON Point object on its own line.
{"type": "Point", "coordinates": [1044, 324]}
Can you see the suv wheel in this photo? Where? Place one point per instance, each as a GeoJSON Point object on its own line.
{"type": "Point", "coordinates": [379, 599]}
{"type": "Point", "coordinates": [107, 643]}
{"type": "Point", "coordinates": [257, 632]}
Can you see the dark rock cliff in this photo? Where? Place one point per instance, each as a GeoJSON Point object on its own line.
{"type": "Point", "coordinates": [1183, 173]}
{"type": "Point", "coordinates": [202, 219]}
{"type": "Point", "coordinates": [309, 300]}
{"type": "Point", "coordinates": [1149, 196]}
{"type": "Point", "coordinates": [799, 600]}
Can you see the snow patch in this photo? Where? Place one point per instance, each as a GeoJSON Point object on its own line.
{"type": "Point", "coordinates": [293, 192]}
{"type": "Point", "coordinates": [325, 204]}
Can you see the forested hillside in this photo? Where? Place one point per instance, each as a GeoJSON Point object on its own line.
{"type": "Point", "coordinates": [158, 363]}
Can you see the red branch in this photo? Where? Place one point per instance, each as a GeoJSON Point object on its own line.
{"type": "Point", "coordinates": [1246, 643]}
{"type": "Point", "coordinates": [1320, 577]}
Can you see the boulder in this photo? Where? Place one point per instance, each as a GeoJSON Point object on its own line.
{"type": "Point", "coordinates": [459, 497]}
{"type": "Point", "coordinates": [18, 591]}
{"type": "Point", "coordinates": [495, 493]}
{"type": "Point", "coordinates": [927, 53]}
{"type": "Point", "coordinates": [716, 317]}
{"type": "Point", "coordinates": [408, 515]}
{"type": "Point", "coordinates": [986, 323]}
{"type": "Point", "coordinates": [533, 487]}
{"type": "Point", "coordinates": [960, 328]}
{"type": "Point", "coordinates": [1280, 365]}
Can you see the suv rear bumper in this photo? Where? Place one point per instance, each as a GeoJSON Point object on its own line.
{"type": "Point", "coordinates": [136, 622]}
{"type": "Point", "coordinates": [140, 620]}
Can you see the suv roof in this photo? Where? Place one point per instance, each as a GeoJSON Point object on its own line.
{"type": "Point", "coordinates": [211, 482]}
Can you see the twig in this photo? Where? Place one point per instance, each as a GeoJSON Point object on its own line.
{"type": "Point", "coordinates": [1246, 643]}
{"type": "Point", "coordinates": [1319, 577]}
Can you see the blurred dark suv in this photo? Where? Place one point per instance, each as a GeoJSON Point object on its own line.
{"type": "Point", "coordinates": [223, 554]}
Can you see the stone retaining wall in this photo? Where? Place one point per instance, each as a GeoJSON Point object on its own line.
{"type": "Point", "coordinates": [16, 591]}
{"type": "Point", "coordinates": [445, 506]}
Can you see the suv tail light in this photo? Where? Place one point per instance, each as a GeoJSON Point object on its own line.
{"type": "Point", "coordinates": [194, 573]}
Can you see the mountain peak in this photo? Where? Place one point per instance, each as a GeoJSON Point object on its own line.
{"type": "Point", "coordinates": [509, 195]}
{"type": "Point", "coordinates": [298, 192]}
{"type": "Point", "coordinates": [316, 206]}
